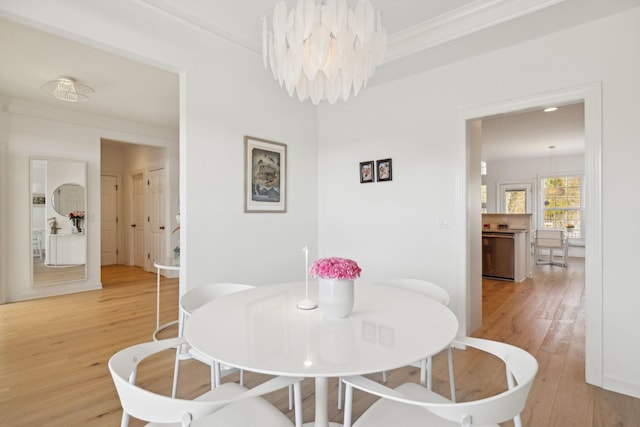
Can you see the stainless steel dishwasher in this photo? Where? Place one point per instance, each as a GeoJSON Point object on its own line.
{"type": "Point", "coordinates": [498, 255]}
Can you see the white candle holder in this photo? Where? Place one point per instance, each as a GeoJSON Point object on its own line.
{"type": "Point", "coordinates": [306, 303]}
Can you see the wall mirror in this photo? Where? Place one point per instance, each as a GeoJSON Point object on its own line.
{"type": "Point", "coordinates": [58, 212]}
{"type": "Point", "coordinates": [67, 198]}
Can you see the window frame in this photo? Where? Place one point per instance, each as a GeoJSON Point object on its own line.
{"type": "Point", "coordinates": [541, 208]}
{"type": "Point", "coordinates": [526, 186]}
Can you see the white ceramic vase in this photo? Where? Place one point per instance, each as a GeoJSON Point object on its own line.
{"type": "Point", "coordinates": [335, 297]}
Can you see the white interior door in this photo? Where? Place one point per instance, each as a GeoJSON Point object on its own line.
{"type": "Point", "coordinates": [139, 223]}
{"type": "Point", "coordinates": [155, 217]}
{"type": "Point", "coordinates": [108, 220]}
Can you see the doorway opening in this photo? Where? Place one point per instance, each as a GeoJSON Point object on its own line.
{"type": "Point", "coordinates": [134, 204]}
{"type": "Point", "coordinates": [590, 95]}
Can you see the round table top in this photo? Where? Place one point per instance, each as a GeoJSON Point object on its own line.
{"type": "Point", "coordinates": [262, 330]}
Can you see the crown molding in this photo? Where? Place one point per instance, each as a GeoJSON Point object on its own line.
{"type": "Point", "coordinates": [458, 23]}
{"type": "Point", "coordinates": [220, 24]}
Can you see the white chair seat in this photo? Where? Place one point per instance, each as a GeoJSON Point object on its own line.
{"type": "Point", "coordinates": [434, 292]}
{"type": "Point", "coordinates": [411, 405]}
{"type": "Point", "coordinates": [190, 302]}
{"type": "Point", "coordinates": [229, 404]}
{"type": "Point", "coordinates": [385, 412]}
{"type": "Point", "coordinates": [241, 413]}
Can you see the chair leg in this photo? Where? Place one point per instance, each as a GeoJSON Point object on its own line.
{"type": "Point", "coordinates": [125, 420]}
{"type": "Point", "coordinates": [384, 377]}
{"type": "Point", "coordinates": [340, 385]}
{"type": "Point", "coordinates": [291, 397]}
{"type": "Point", "coordinates": [241, 377]}
{"type": "Point", "coordinates": [516, 421]}
{"type": "Point", "coordinates": [425, 372]}
{"type": "Point", "coordinates": [176, 367]}
{"type": "Point", "coordinates": [348, 398]}
{"type": "Point", "coordinates": [297, 393]}
{"type": "Point", "coordinates": [452, 382]}
{"type": "Point", "coordinates": [215, 374]}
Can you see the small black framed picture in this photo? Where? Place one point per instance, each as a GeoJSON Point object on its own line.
{"type": "Point", "coordinates": [366, 172]}
{"type": "Point", "coordinates": [385, 171]}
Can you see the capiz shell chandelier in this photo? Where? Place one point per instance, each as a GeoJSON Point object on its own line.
{"type": "Point", "coordinates": [323, 51]}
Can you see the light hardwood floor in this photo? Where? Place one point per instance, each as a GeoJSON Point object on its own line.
{"type": "Point", "coordinates": [54, 353]}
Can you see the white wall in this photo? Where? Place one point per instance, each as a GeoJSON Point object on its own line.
{"type": "Point", "coordinates": [4, 140]}
{"type": "Point", "coordinates": [393, 228]}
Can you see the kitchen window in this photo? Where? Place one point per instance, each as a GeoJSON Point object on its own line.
{"type": "Point", "coordinates": [515, 197]}
{"type": "Point", "coordinates": [561, 203]}
{"type": "Point", "coordinates": [483, 197]}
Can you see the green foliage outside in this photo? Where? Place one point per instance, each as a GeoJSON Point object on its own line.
{"type": "Point", "coordinates": [561, 198]}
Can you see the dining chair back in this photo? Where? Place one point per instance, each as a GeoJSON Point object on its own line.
{"type": "Point", "coordinates": [189, 303]}
{"type": "Point", "coordinates": [424, 287]}
{"type": "Point", "coordinates": [411, 405]}
{"type": "Point", "coordinates": [229, 404]}
{"type": "Point", "coordinates": [552, 240]}
{"type": "Point", "coordinates": [436, 293]}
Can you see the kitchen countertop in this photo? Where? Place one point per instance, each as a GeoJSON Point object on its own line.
{"type": "Point", "coordinates": [506, 231]}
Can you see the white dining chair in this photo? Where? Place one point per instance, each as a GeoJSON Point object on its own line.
{"type": "Point", "coordinates": [411, 405]}
{"type": "Point", "coordinates": [189, 303]}
{"type": "Point", "coordinates": [437, 293]}
{"type": "Point", "coordinates": [434, 292]}
{"type": "Point", "coordinates": [230, 404]}
{"type": "Point", "coordinates": [37, 242]}
{"type": "Point", "coordinates": [552, 240]}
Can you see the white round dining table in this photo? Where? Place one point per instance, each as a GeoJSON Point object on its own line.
{"type": "Point", "coordinates": [262, 330]}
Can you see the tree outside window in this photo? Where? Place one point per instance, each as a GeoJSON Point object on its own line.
{"type": "Point", "coordinates": [515, 201]}
{"type": "Point", "coordinates": [483, 197]}
{"type": "Point", "coordinates": [562, 203]}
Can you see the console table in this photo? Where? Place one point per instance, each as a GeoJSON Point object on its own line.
{"type": "Point", "coordinates": [163, 264]}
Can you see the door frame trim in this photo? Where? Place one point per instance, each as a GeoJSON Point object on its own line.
{"type": "Point", "coordinates": [591, 95]}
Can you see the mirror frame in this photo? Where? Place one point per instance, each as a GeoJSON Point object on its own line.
{"type": "Point", "coordinates": [60, 274]}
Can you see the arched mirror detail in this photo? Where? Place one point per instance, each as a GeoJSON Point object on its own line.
{"type": "Point", "coordinates": [58, 210]}
{"type": "Point", "coordinates": [68, 200]}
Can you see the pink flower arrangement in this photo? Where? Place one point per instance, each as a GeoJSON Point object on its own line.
{"type": "Point", "coordinates": [335, 268]}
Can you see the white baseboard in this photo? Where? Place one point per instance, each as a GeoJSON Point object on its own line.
{"type": "Point", "coordinates": [620, 386]}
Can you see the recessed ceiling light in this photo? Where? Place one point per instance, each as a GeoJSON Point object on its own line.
{"type": "Point", "coordinates": [550, 109]}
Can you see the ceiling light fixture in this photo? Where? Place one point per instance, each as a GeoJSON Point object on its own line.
{"type": "Point", "coordinates": [550, 109]}
{"type": "Point", "coordinates": [67, 89]}
{"type": "Point", "coordinates": [323, 51]}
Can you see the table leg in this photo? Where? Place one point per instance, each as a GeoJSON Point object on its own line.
{"type": "Point", "coordinates": [322, 408]}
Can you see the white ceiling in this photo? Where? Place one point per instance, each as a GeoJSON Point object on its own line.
{"type": "Point", "coordinates": [421, 35]}
{"type": "Point", "coordinates": [529, 134]}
